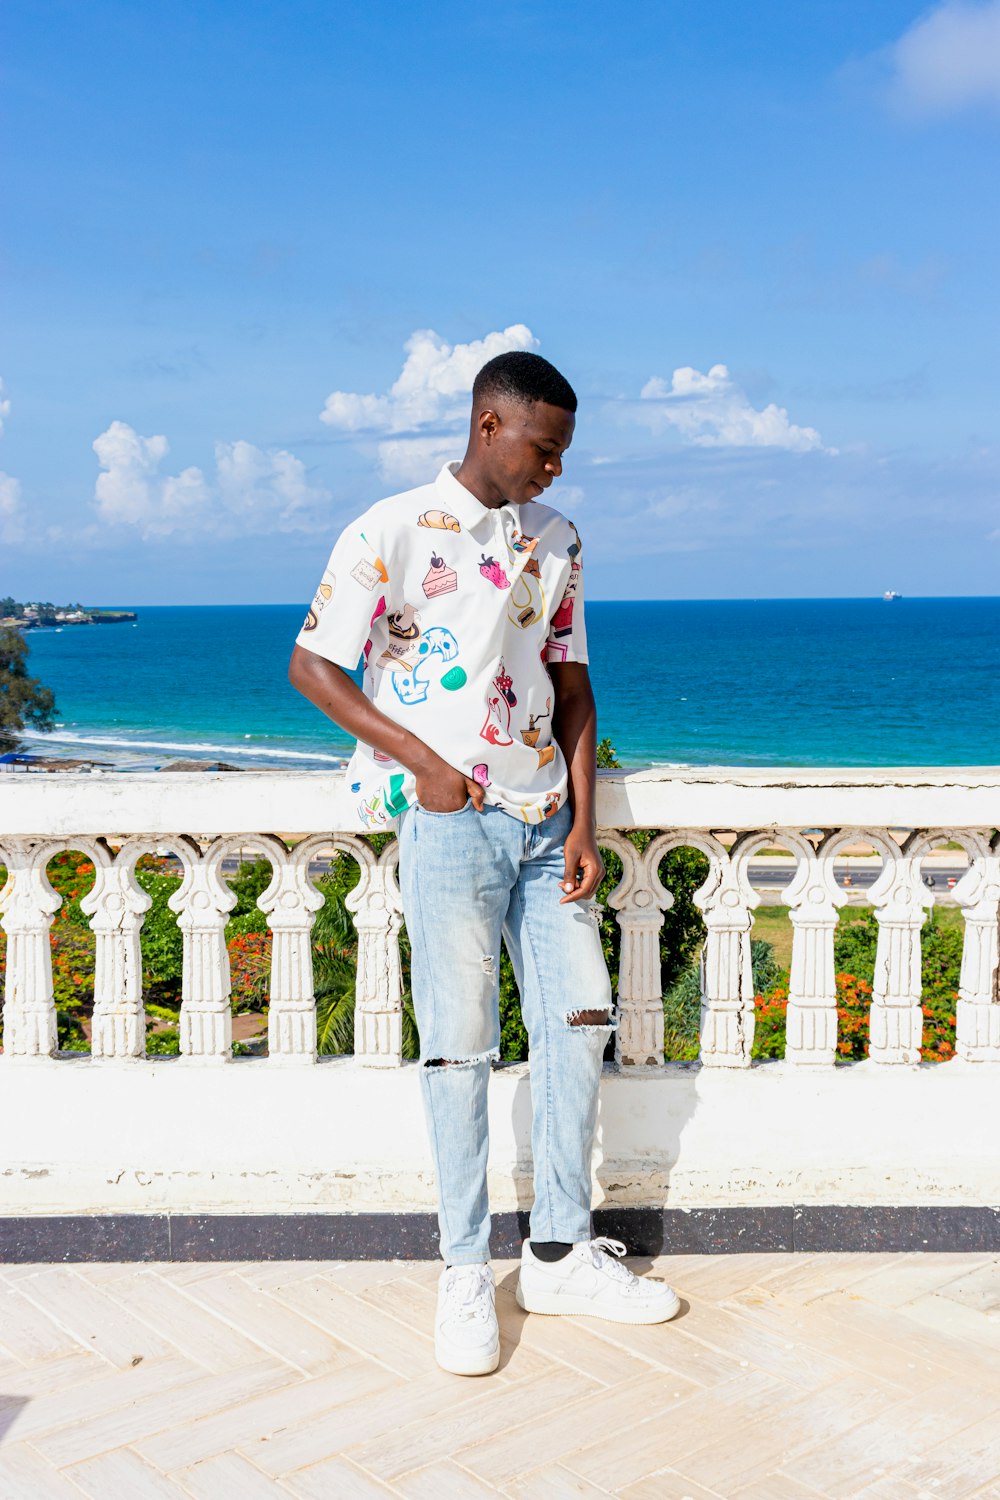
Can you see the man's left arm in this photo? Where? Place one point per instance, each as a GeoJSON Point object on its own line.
{"type": "Point", "coordinates": [574, 728]}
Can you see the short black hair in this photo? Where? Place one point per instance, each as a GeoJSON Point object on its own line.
{"type": "Point", "coordinates": [523, 377]}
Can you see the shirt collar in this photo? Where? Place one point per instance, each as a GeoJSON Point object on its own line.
{"type": "Point", "coordinates": [462, 503]}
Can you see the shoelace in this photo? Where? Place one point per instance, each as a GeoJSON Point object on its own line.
{"type": "Point", "coordinates": [601, 1249]}
{"type": "Point", "coordinates": [467, 1293]}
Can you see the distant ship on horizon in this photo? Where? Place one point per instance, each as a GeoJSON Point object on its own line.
{"type": "Point", "coordinates": [890, 595]}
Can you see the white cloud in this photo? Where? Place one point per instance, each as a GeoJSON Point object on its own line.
{"type": "Point", "coordinates": [10, 494]}
{"type": "Point", "coordinates": [408, 461]}
{"type": "Point", "coordinates": [11, 513]}
{"type": "Point", "coordinates": [252, 490]}
{"type": "Point", "coordinates": [131, 490]}
{"type": "Point", "coordinates": [568, 497]}
{"type": "Point", "coordinates": [264, 486]}
{"type": "Point", "coordinates": [432, 388]}
{"type": "Point", "coordinates": [948, 60]}
{"type": "Point", "coordinates": [712, 411]}
{"type": "Point", "coordinates": [421, 418]}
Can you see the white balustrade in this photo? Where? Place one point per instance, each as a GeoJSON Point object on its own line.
{"type": "Point", "coordinates": [116, 905]}
{"type": "Point", "coordinates": [726, 901]}
{"type": "Point", "coordinates": [290, 903]}
{"type": "Point", "coordinates": [202, 903]}
{"type": "Point", "coordinates": [814, 899]}
{"type": "Point", "coordinates": [377, 911]}
{"type": "Point", "coordinates": [27, 906]}
{"type": "Point", "coordinates": [899, 899]}
{"type": "Point", "coordinates": [205, 822]}
{"type": "Point", "coordinates": [640, 901]}
{"type": "Point", "coordinates": [977, 1019]}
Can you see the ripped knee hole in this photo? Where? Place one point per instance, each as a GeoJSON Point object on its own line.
{"type": "Point", "coordinates": [492, 1056]}
{"type": "Point", "coordinates": [588, 1018]}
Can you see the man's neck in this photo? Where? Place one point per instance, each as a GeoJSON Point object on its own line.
{"type": "Point", "coordinates": [479, 484]}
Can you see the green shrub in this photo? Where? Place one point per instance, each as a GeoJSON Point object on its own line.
{"type": "Point", "coordinates": [250, 880]}
{"type": "Point", "coordinates": [161, 940]}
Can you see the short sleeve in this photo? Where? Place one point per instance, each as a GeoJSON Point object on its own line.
{"type": "Point", "coordinates": [567, 638]}
{"type": "Point", "coordinates": [350, 598]}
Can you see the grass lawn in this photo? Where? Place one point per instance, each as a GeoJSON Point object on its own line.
{"type": "Point", "coordinates": [772, 923]}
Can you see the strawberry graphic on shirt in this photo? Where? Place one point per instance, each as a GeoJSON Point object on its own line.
{"type": "Point", "coordinates": [492, 570]}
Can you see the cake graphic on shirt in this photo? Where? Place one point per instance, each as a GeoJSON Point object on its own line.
{"type": "Point", "coordinates": [439, 578]}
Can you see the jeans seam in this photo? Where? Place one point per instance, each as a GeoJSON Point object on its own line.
{"type": "Point", "coordinates": [425, 1081]}
{"type": "Point", "coordinates": [529, 944]}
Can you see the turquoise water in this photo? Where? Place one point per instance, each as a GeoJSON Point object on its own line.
{"type": "Point", "coordinates": [769, 682]}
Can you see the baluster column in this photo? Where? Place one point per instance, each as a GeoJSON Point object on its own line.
{"type": "Point", "coordinates": [202, 904]}
{"type": "Point", "coordinates": [899, 898]}
{"type": "Point", "coordinates": [28, 903]}
{"type": "Point", "coordinates": [377, 911]}
{"type": "Point", "coordinates": [727, 999]}
{"type": "Point", "coordinates": [291, 902]}
{"type": "Point", "coordinates": [813, 898]}
{"type": "Point", "coordinates": [977, 1011]}
{"type": "Point", "coordinates": [639, 901]}
{"type": "Point", "coordinates": [116, 906]}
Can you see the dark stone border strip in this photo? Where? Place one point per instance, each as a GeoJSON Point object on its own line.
{"type": "Point", "coordinates": [378, 1236]}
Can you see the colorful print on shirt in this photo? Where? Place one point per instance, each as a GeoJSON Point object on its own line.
{"type": "Point", "coordinates": [456, 610]}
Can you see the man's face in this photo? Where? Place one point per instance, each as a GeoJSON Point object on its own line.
{"type": "Point", "coordinates": [526, 447]}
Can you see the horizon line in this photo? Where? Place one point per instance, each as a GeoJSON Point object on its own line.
{"type": "Point", "coordinates": [716, 599]}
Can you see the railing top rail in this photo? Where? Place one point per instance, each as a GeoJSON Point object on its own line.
{"type": "Point", "coordinates": [304, 802]}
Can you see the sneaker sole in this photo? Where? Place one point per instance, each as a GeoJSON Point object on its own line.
{"type": "Point", "coordinates": [465, 1364]}
{"type": "Point", "coordinates": [553, 1303]}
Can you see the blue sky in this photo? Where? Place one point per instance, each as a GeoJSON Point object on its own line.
{"type": "Point", "coordinates": [762, 244]}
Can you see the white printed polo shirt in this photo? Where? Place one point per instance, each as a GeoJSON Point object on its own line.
{"type": "Point", "coordinates": [457, 609]}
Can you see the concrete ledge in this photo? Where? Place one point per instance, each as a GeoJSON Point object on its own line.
{"type": "Point", "coordinates": [371, 1236]}
{"type": "Point", "coordinates": [300, 802]}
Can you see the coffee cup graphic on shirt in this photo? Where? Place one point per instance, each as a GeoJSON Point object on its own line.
{"type": "Point", "coordinates": [403, 651]}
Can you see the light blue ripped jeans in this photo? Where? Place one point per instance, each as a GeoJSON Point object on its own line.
{"type": "Point", "coordinates": [465, 877]}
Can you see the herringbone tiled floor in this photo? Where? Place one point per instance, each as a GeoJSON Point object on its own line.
{"type": "Point", "coordinates": [784, 1378]}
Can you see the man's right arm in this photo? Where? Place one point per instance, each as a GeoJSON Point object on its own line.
{"type": "Point", "coordinates": [440, 787]}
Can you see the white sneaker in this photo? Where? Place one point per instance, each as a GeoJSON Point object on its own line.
{"type": "Point", "coordinates": [466, 1336]}
{"type": "Point", "coordinates": [588, 1281]}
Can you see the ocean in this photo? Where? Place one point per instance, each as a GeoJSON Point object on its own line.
{"type": "Point", "coordinates": [796, 682]}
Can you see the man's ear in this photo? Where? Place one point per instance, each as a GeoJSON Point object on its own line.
{"type": "Point", "coordinates": [488, 425]}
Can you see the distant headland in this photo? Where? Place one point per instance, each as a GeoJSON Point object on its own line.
{"type": "Point", "coordinates": [39, 616]}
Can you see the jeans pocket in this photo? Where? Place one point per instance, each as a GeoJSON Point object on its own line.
{"type": "Point", "coordinates": [455, 812]}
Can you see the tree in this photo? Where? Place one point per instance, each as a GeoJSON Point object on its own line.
{"type": "Point", "coordinates": [23, 699]}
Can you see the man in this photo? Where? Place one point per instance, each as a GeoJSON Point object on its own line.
{"type": "Point", "coordinates": [476, 734]}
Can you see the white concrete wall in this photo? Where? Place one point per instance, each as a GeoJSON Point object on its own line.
{"type": "Point", "coordinates": [82, 1136]}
